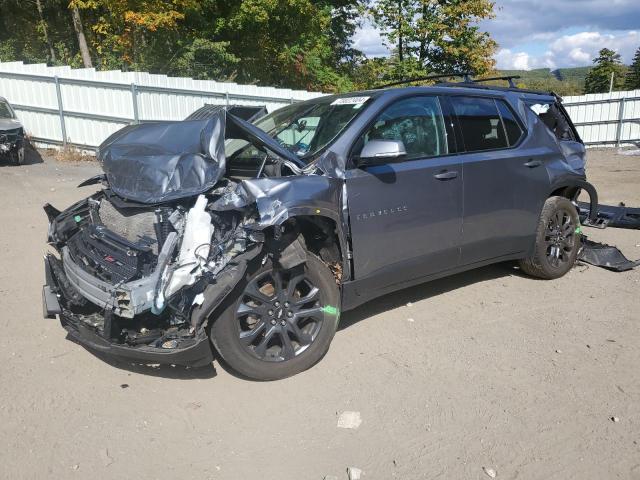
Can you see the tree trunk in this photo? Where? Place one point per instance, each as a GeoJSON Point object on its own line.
{"type": "Point", "coordinates": [82, 41]}
{"type": "Point", "coordinates": [423, 40]}
{"type": "Point", "coordinates": [45, 32]}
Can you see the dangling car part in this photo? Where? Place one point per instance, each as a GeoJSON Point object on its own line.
{"type": "Point", "coordinates": [618, 216]}
{"type": "Point", "coordinates": [253, 237]}
{"type": "Point", "coordinates": [11, 135]}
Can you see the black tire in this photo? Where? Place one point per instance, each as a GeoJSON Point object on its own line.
{"type": "Point", "coordinates": [263, 353]}
{"type": "Point", "coordinates": [557, 240]}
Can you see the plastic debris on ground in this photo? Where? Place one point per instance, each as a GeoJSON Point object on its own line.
{"type": "Point", "coordinates": [351, 420]}
{"type": "Point", "coordinates": [605, 256]}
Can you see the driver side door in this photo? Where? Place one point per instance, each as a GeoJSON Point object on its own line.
{"type": "Point", "coordinates": [406, 213]}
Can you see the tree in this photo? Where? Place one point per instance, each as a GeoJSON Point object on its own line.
{"type": "Point", "coordinates": [599, 77]}
{"type": "Point", "coordinates": [437, 36]}
{"type": "Point", "coordinates": [632, 82]}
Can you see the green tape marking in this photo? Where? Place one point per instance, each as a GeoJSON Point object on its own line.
{"type": "Point", "coordinates": [77, 218]}
{"type": "Point", "coordinates": [330, 310]}
{"type": "Point", "coordinates": [578, 229]}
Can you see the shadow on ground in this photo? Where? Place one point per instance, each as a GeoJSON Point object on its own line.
{"type": "Point", "coordinates": [380, 305]}
{"type": "Point", "coordinates": [425, 291]}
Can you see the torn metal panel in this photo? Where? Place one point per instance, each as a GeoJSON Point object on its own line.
{"type": "Point", "coordinates": [619, 216]}
{"type": "Point", "coordinates": [605, 256]}
{"type": "Point", "coordinates": [278, 199]}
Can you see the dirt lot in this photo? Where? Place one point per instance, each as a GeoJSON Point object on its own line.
{"type": "Point", "coordinates": [485, 369]}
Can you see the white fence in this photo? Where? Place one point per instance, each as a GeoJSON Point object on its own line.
{"type": "Point", "coordinates": [82, 107]}
{"type": "Point", "coordinates": [606, 119]}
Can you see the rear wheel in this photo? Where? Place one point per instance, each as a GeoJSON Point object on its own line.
{"type": "Point", "coordinates": [281, 322]}
{"type": "Point", "coordinates": [557, 240]}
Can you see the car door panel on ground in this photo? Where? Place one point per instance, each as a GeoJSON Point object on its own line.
{"type": "Point", "coordinates": [503, 186]}
{"type": "Point", "coordinates": [406, 215]}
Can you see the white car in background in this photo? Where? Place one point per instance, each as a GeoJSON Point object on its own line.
{"type": "Point", "coordinates": [11, 134]}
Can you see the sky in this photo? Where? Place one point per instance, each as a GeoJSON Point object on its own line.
{"type": "Point", "coordinates": [548, 33]}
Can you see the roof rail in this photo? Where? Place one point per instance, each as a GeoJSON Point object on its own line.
{"type": "Point", "coordinates": [508, 78]}
{"type": "Point", "coordinates": [465, 76]}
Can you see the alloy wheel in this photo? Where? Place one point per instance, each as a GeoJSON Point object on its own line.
{"type": "Point", "coordinates": [560, 238]}
{"type": "Point", "coordinates": [279, 314]}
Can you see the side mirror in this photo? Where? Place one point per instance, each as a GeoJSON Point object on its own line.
{"type": "Point", "coordinates": [378, 152]}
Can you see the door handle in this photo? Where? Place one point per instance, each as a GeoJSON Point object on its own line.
{"type": "Point", "coordinates": [533, 163]}
{"type": "Point", "coordinates": [446, 175]}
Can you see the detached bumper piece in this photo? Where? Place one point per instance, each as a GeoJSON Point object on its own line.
{"type": "Point", "coordinates": [605, 256]}
{"type": "Point", "coordinates": [619, 216]}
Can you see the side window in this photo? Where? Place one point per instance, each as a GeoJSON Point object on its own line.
{"type": "Point", "coordinates": [480, 123]}
{"type": "Point", "coordinates": [511, 125]}
{"type": "Point", "coordinates": [417, 122]}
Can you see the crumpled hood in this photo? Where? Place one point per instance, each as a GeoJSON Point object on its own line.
{"type": "Point", "coordinates": [163, 161]}
{"type": "Point", "coordinates": [9, 124]}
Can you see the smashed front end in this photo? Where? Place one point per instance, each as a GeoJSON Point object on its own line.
{"type": "Point", "coordinates": [11, 141]}
{"type": "Point", "coordinates": [139, 266]}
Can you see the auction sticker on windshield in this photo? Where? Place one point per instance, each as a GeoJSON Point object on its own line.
{"type": "Point", "coordinates": [350, 101]}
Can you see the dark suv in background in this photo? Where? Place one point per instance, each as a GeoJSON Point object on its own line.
{"type": "Point", "coordinates": [11, 134]}
{"type": "Point", "coordinates": [253, 237]}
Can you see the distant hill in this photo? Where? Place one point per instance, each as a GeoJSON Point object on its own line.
{"type": "Point", "coordinates": [563, 81]}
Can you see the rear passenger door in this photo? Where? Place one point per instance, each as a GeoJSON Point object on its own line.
{"type": "Point", "coordinates": [505, 180]}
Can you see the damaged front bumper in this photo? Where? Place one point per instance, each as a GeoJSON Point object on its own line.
{"type": "Point", "coordinates": [94, 332]}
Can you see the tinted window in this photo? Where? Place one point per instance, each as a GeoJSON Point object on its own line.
{"type": "Point", "coordinates": [304, 128]}
{"type": "Point", "coordinates": [480, 123]}
{"type": "Point", "coordinates": [5, 110]}
{"type": "Point", "coordinates": [511, 125]}
{"type": "Point", "coordinates": [417, 122]}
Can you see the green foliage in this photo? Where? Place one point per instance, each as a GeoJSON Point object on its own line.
{"type": "Point", "coordinates": [566, 81]}
{"type": "Point", "coordinates": [632, 82]}
{"type": "Point", "coordinates": [436, 35]}
{"type": "Point", "coordinates": [599, 78]}
{"type": "Point", "coordinates": [286, 43]}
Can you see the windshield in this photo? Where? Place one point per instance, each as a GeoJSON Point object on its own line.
{"type": "Point", "coordinates": [5, 110]}
{"type": "Point", "coordinates": [303, 128]}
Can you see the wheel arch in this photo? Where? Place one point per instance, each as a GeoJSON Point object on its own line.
{"type": "Point", "coordinates": [572, 188]}
{"type": "Point", "coordinates": [323, 236]}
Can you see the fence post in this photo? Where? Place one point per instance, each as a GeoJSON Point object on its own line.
{"type": "Point", "coordinates": [226, 98]}
{"type": "Point", "coordinates": [620, 121]}
{"type": "Point", "coordinates": [134, 100]}
{"type": "Point", "coordinates": [63, 127]}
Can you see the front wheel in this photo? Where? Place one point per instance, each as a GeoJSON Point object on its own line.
{"type": "Point", "coordinates": [281, 322]}
{"type": "Point", "coordinates": [557, 240]}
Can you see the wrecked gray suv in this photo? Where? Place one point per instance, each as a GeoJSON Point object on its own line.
{"type": "Point", "coordinates": [249, 239]}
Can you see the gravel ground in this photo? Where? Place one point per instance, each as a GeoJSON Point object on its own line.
{"type": "Point", "coordinates": [487, 372]}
